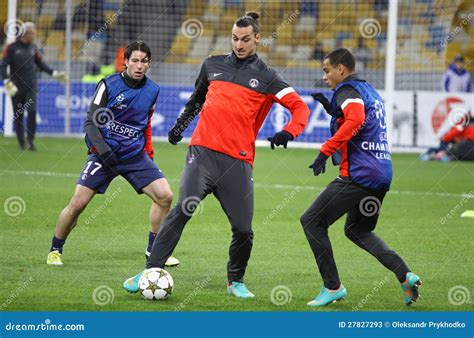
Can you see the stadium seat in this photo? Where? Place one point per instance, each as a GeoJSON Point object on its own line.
{"type": "Point", "coordinates": [201, 47]}
{"type": "Point", "coordinates": [284, 50]}
{"type": "Point", "coordinates": [50, 8]}
{"type": "Point", "coordinates": [221, 46]}
{"type": "Point", "coordinates": [179, 48]}
{"type": "Point", "coordinates": [303, 52]}
{"type": "Point", "coordinates": [306, 24]}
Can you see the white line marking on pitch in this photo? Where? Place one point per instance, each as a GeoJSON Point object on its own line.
{"type": "Point", "coordinates": [468, 195]}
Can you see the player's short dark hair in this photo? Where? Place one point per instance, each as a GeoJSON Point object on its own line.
{"type": "Point", "coordinates": [137, 45]}
{"type": "Point", "coordinates": [341, 56]}
{"type": "Point", "coordinates": [249, 19]}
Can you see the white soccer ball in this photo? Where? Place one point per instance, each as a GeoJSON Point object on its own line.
{"type": "Point", "coordinates": [156, 283]}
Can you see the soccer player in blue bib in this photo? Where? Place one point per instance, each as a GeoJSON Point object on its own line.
{"type": "Point", "coordinates": [359, 145]}
{"type": "Point", "coordinates": [118, 137]}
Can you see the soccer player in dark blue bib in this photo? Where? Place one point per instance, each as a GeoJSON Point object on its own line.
{"type": "Point", "coordinates": [359, 145]}
{"type": "Point", "coordinates": [118, 137]}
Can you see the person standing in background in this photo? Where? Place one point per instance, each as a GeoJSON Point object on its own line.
{"type": "Point", "coordinates": [23, 57]}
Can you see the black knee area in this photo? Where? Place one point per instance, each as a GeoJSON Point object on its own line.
{"type": "Point", "coordinates": [320, 231]}
{"type": "Point", "coordinates": [315, 226]}
{"type": "Point", "coordinates": [243, 234]}
{"type": "Point", "coordinates": [354, 236]}
{"type": "Point", "coordinates": [308, 219]}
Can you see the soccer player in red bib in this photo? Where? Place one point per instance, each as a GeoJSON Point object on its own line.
{"type": "Point", "coordinates": [233, 95]}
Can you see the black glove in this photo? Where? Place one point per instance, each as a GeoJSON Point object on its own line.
{"type": "Point", "coordinates": [319, 164]}
{"type": "Point", "coordinates": [108, 159]}
{"type": "Point", "coordinates": [324, 101]}
{"type": "Point", "coordinates": [280, 139]}
{"type": "Point", "coordinates": [174, 135]}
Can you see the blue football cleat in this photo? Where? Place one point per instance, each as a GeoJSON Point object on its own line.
{"type": "Point", "coordinates": [327, 296]}
{"type": "Point", "coordinates": [239, 290]}
{"type": "Point", "coordinates": [131, 284]}
{"type": "Point", "coordinates": [410, 288]}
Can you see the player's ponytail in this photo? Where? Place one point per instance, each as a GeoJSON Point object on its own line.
{"type": "Point", "coordinates": [249, 19]}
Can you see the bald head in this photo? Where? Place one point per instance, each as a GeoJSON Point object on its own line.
{"type": "Point", "coordinates": [29, 32]}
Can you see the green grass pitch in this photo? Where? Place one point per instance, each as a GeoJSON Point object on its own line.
{"type": "Point", "coordinates": [420, 219]}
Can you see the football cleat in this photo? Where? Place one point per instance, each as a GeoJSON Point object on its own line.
{"type": "Point", "coordinates": [170, 262]}
{"type": "Point", "coordinates": [239, 290]}
{"type": "Point", "coordinates": [327, 296]}
{"type": "Point", "coordinates": [131, 284]}
{"type": "Point", "coordinates": [54, 258]}
{"type": "Point", "coordinates": [410, 288]}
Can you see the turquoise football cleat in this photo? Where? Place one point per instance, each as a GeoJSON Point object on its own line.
{"type": "Point", "coordinates": [131, 284]}
{"type": "Point", "coordinates": [239, 290]}
{"type": "Point", "coordinates": [410, 288]}
{"type": "Point", "coordinates": [327, 296]}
